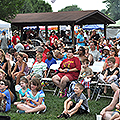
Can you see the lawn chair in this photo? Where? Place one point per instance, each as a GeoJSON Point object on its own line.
{"type": "Point", "coordinates": [97, 67]}
{"type": "Point", "coordinates": [49, 80]}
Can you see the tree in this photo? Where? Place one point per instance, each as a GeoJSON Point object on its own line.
{"type": "Point", "coordinates": [113, 9]}
{"type": "Point", "coordinates": [35, 6]}
{"type": "Point", "coordinates": [71, 8]}
{"type": "Point", "coordinates": [9, 8]}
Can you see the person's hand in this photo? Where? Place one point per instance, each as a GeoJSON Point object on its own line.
{"type": "Point", "coordinates": [66, 70]}
{"type": "Point", "coordinates": [29, 99]}
{"type": "Point", "coordinates": [102, 112]}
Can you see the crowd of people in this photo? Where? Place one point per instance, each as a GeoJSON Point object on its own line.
{"type": "Point", "coordinates": [74, 66]}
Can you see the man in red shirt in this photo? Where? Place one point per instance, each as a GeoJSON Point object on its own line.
{"type": "Point", "coordinates": [52, 38]}
{"type": "Point", "coordinates": [15, 38]}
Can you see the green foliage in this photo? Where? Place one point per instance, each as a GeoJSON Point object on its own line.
{"type": "Point", "coordinates": [9, 8]}
{"type": "Point", "coordinates": [113, 9]}
{"type": "Point", "coordinates": [71, 8]}
{"type": "Point", "coordinates": [35, 6]}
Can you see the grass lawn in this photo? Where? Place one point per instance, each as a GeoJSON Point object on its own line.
{"type": "Point", "coordinates": [55, 107]}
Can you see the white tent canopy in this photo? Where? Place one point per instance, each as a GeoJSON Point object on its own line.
{"type": "Point", "coordinates": [4, 24]}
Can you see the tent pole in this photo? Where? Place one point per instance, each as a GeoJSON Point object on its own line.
{"type": "Point", "coordinates": [105, 30]}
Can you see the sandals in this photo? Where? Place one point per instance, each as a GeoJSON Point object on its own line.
{"type": "Point", "coordinates": [60, 116]}
{"type": "Point", "coordinates": [64, 115]}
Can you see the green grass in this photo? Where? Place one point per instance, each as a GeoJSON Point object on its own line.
{"type": "Point", "coordinates": [55, 107]}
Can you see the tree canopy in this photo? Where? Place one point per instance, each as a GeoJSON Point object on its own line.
{"type": "Point", "coordinates": [9, 8]}
{"type": "Point", "coordinates": [35, 6]}
{"type": "Point", "coordinates": [71, 8]}
{"type": "Point", "coordinates": [113, 9]}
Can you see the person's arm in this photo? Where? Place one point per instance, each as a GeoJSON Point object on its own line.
{"type": "Point", "coordinates": [14, 68]}
{"type": "Point", "coordinates": [105, 75]}
{"type": "Point", "coordinates": [104, 66]}
{"type": "Point", "coordinates": [65, 103]}
{"type": "Point", "coordinates": [36, 103]}
{"type": "Point", "coordinates": [45, 73]}
{"type": "Point", "coordinates": [77, 106]}
{"type": "Point", "coordinates": [70, 70]}
{"type": "Point", "coordinates": [112, 104]}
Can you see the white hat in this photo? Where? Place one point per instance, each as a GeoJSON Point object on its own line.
{"type": "Point", "coordinates": [106, 48]}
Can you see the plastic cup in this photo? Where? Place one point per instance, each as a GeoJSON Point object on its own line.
{"type": "Point", "coordinates": [99, 117]}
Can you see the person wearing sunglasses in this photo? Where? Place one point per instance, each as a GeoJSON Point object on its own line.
{"type": "Point", "coordinates": [68, 71]}
{"type": "Point", "coordinates": [81, 52]}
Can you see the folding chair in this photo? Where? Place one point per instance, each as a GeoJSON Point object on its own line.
{"type": "Point", "coordinates": [49, 80]}
{"type": "Point", "coordinates": [97, 67]}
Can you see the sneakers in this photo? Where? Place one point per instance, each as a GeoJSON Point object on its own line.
{"type": "Point", "coordinates": [60, 94]}
{"type": "Point", "coordinates": [20, 111]}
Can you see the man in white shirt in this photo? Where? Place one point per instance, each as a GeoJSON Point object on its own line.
{"type": "Point", "coordinates": [94, 51]}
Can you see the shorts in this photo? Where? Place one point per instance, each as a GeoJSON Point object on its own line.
{"type": "Point", "coordinates": [80, 110]}
{"type": "Point", "coordinates": [85, 84]}
{"type": "Point", "coordinates": [71, 78]}
{"type": "Point", "coordinates": [115, 111]}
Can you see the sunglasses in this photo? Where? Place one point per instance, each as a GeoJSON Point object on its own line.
{"type": "Point", "coordinates": [112, 51]}
{"type": "Point", "coordinates": [80, 49]}
{"type": "Point", "coordinates": [69, 52]}
{"type": "Point", "coordinates": [2, 83]}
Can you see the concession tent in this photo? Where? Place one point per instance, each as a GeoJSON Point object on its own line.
{"type": "Point", "coordinates": [113, 29]}
{"type": "Point", "coordinates": [5, 26]}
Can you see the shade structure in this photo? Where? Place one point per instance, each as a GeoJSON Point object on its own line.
{"type": "Point", "coordinates": [91, 27]}
{"type": "Point", "coordinates": [4, 24]}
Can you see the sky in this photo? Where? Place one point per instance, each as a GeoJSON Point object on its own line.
{"type": "Point", "coordinates": [83, 4]}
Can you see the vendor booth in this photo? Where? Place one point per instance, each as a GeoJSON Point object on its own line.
{"type": "Point", "coordinates": [5, 26]}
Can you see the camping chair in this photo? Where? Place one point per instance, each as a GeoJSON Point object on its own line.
{"type": "Point", "coordinates": [97, 67]}
{"type": "Point", "coordinates": [49, 80]}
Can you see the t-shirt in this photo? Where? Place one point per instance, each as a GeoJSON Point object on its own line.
{"type": "Point", "coordinates": [23, 94]}
{"type": "Point", "coordinates": [40, 94]}
{"type": "Point", "coordinates": [111, 72]}
{"type": "Point", "coordinates": [52, 39]}
{"type": "Point", "coordinates": [8, 99]}
{"type": "Point", "coordinates": [39, 68]}
{"type": "Point", "coordinates": [95, 54]}
{"type": "Point", "coordinates": [14, 39]}
{"type": "Point", "coordinates": [74, 62]}
{"type": "Point", "coordinates": [84, 104]}
{"type": "Point", "coordinates": [50, 62]}
{"type": "Point", "coordinates": [81, 39]}
{"type": "Point", "coordinates": [102, 58]}
{"type": "Point", "coordinates": [86, 72]}
{"type": "Point", "coordinates": [3, 42]}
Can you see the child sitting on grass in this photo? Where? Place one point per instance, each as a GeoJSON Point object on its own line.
{"type": "Point", "coordinates": [116, 114]}
{"type": "Point", "coordinates": [80, 106]}
{"type": "Point", "coordinates": [5, 100]}
{"type": "Point", "coordinates": [35, 99]}
{"type": "Point", "coordinates": [24, 89]}
{"type": "Point", "coordinates": [85, 76]}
